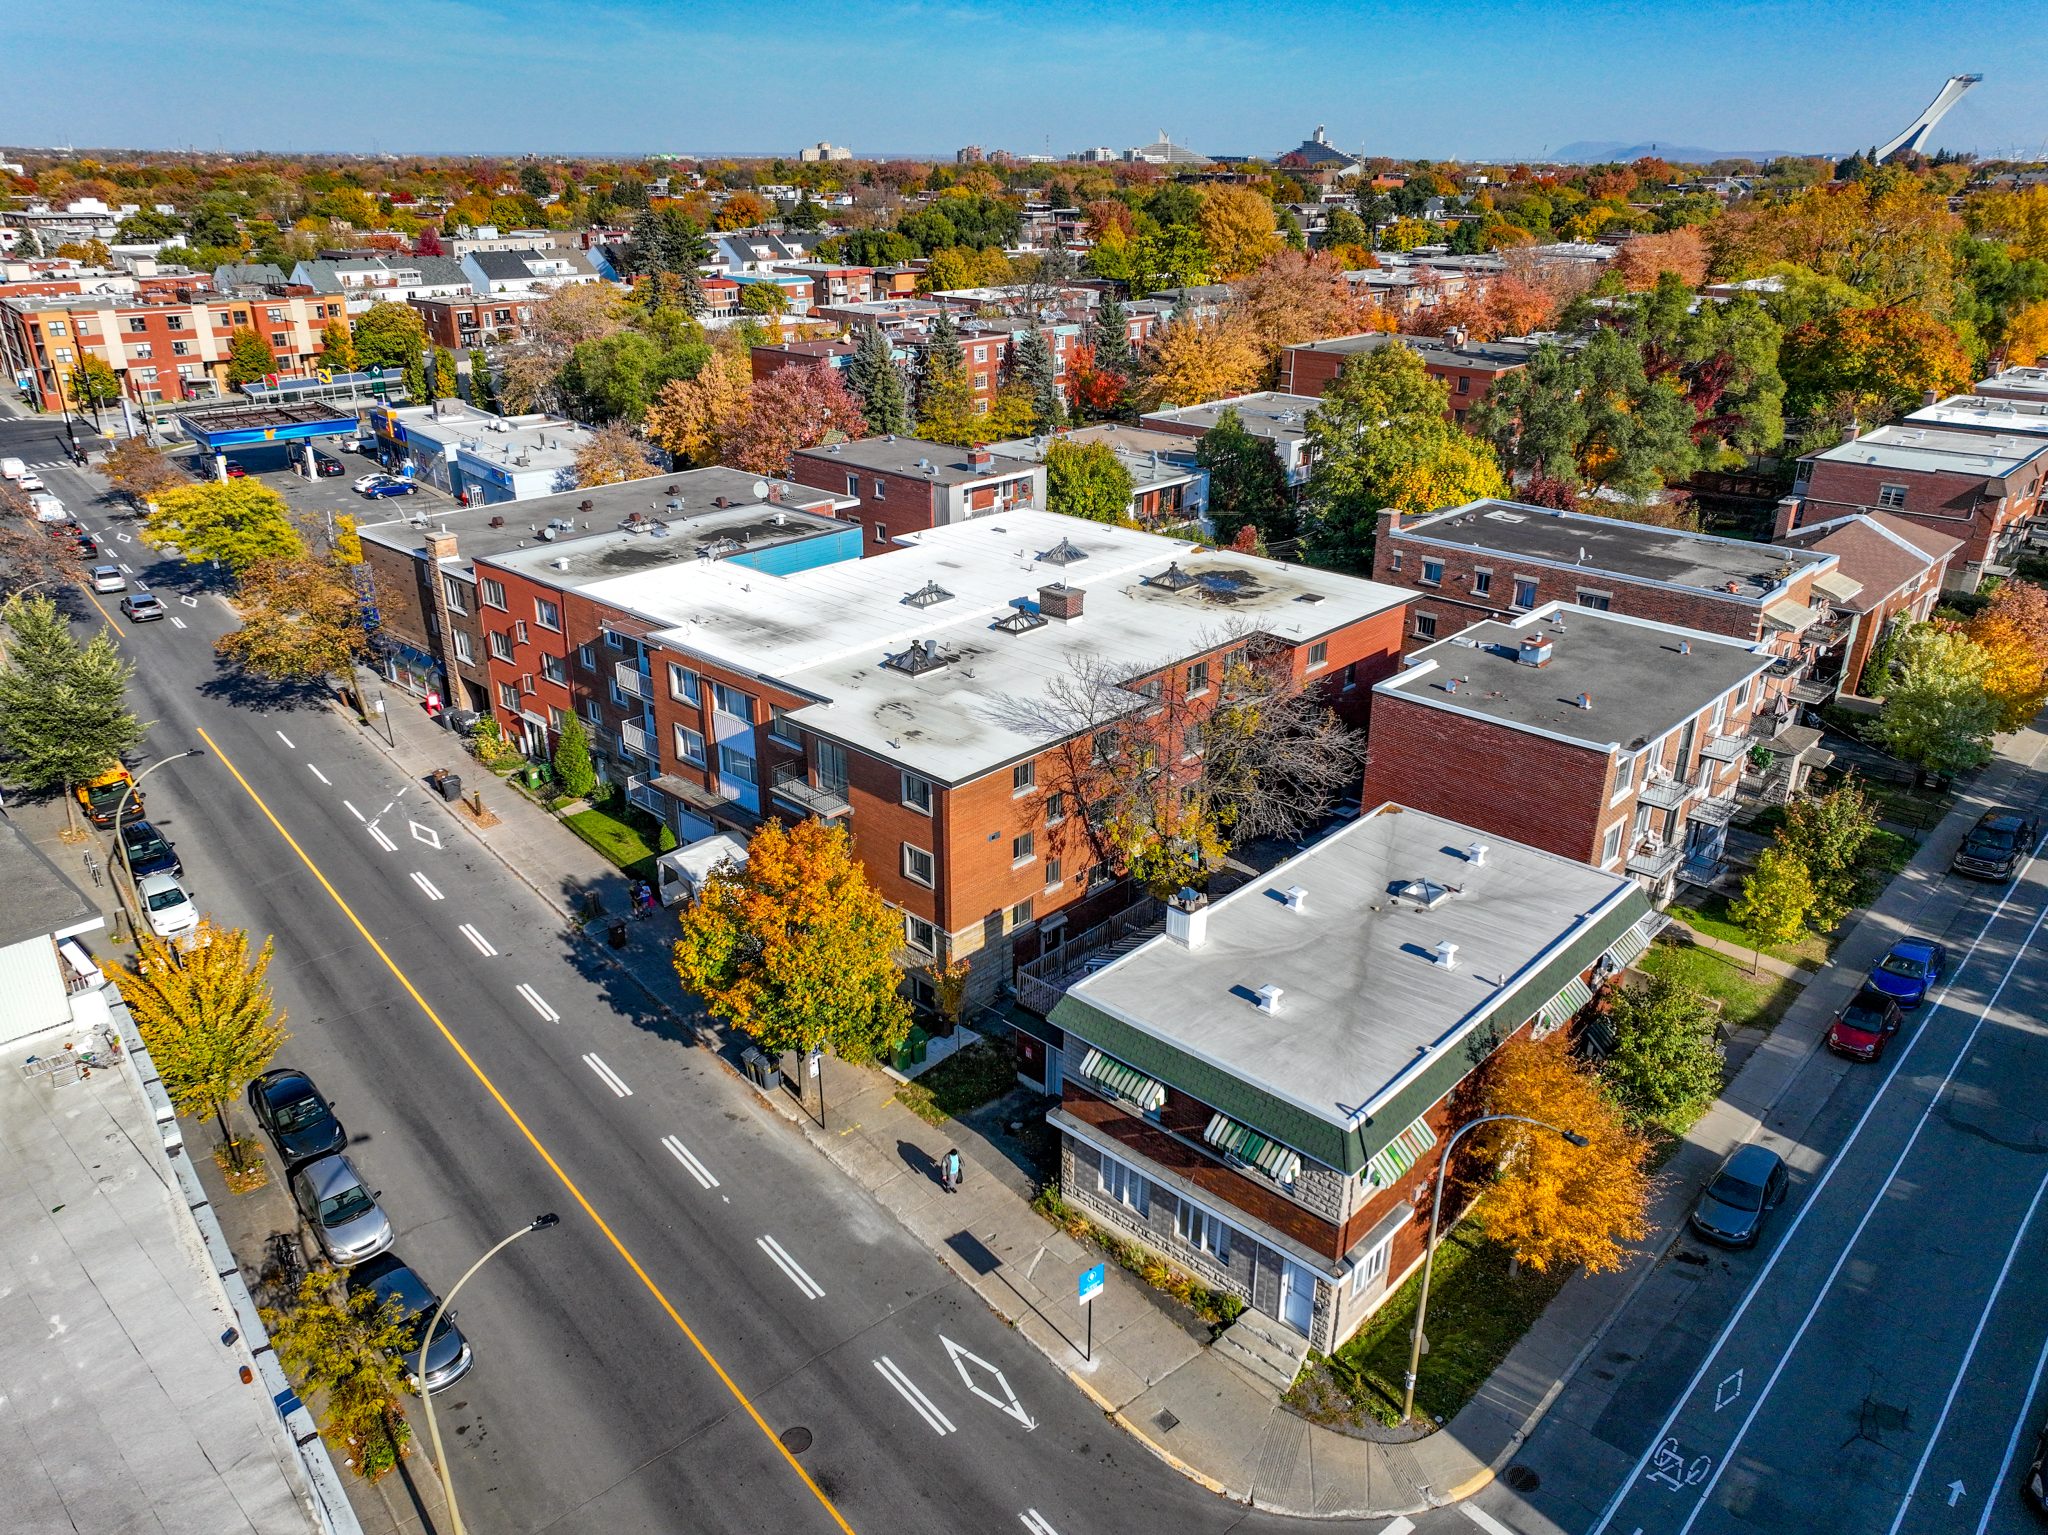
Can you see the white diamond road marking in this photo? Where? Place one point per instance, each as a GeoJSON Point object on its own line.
{"type": "Point", "coordinates": [124, 538]}
{"type": "Point", "coordinates": [607, 1076]}
{"type": "Point", "coordinates": [352, 810]}
{"type": "Point", "coordinates": [923, 1405]}
{"type": "Point", "coordinates": [1484, 1520]}
{"type": "Point", "coordinates": [1006, 1403]}
{"type": "Point", "coordinates": [483, 944]}
{"type": "Point", "coordinates": [688, 1158]}
{"type": "Point", "coordinates": [190, 602]}
{"type": "Point", "coordinates": [286, 739]}
{"type": "Point", "coordinates": [427, 885]}
{"type": "Point", "coordinates": [782, 1260]}
{"type": "Point", "coordinates": [425, 834]}
{"type": "Point", "coordinates": [381, 840]}
{"type": "Point", "coordinates": [533, 999]}
{"type": "Point", "coordinates": [176, 621]}
{"type": "Point", "coordinates": [320, 775]}
{"type": "Point", "coordinates": [1034, 1521]}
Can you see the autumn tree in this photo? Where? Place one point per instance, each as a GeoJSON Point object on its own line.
{"type": "Point", "coordinates": [1884, 360]}
{"type": "Point", "coordinates": [2013, 631]}
{"type": "Point", "coordinates": [1247, 486]}
{"type": "Point", "coordinates": [93, 383]}
{"type": "Point", "coordinates": [1665, 1067]}
{"type": "Point", "coordinates": [446, 383]}
{"type": "Point", "coordinates": [390, 336]}
{"type": "Point", "coordinates": [2026, 335]}
{"type": "Point", "coordinates": [1236, 225]}
{"type": "Point", "coordinates": [796, 948]}
{"type": "Point", "coordinates": [1681, 253]}
{"type": "Point", "coordinates": [141, 470]}
{"type": "Point", "coordinates": [302, 620]}
{"type": "Point", "coordinates": [1088, 481]}
{"type": "Point", "coordinates": [205, 1011]}
{"type": "Point", "coordinates": [350, 1349]}
{"type": "Point", "coordinates": [1192, 361]}
{"type": "Point", "coordinates": [945, 400]}
{"type": "Point", "coordinates": [575, 773]}
{"type": "Point", "coordinates": [64, 717]}
{"type": "Point", "coordinates": [612, 454]}
{"type": "Point", "coordinates": [1380, 439]}
{"type": "Point", "coordinates": [793, 408]}
{"type": "Point", "coordinates": [877, 383]}
{"type": "Point", "coordinates": [561, 322]}
{"type": "Point", "coordinates": [234, 521]}
{"type": "Point", "coordinates": [249, 358]}
{"type": "Point", "coordinates": [1938, 711]}
{"type": "Point", "coordinates": [694, 418]}
{"type": "Point", "coordinates": [1094, 392]}
{"type": "Point", "coordinates": [1553, 1203]}
{"type": "Point", "coordinates": [1776, 897]}
{"type": "Point", "coordinates": [29, 558]}
{"type": "Point", "coordinates": [1292, 297]}
{"type": "Point", "coordinates": [1827, 834]}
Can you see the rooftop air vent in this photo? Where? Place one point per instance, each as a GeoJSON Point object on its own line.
{"type": "Point", "coordinates": [1310, 597]}
{"type": "Point", "coordinates": [1172, 579]}
{"type": "Point", "coordinates": [1295, 897]}
{"type": "Point", "coordinates": [930, 595]}
{"type": "Point", "coordinates": [1268, 998]}
{"type": "Point", "coordinates": [1447, 955]}
{"type": "Point", "coordinates": [1536, 650]}
{"type": "Point", "coordinates": [922, 656]}
{"type": "Point", "coordinates": [1021, 621]}
{"type": "Point", "coordinates": [1063, 553]}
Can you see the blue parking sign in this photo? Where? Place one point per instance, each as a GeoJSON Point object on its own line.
{"type": "Point", "coordinates": [1090, 1284]}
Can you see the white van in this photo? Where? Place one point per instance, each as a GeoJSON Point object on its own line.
{"type": "Point", "coordinates": [12, 469]}
{"type": "Point", "coordinates": [48, 507]}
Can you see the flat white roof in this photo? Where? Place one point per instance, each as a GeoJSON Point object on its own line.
{"type": "Point", "coordinates": [545, 442]}
{"type": "Point", "coordinates": [827, 631]}
{"type": "Point", "coordinates": [1932, 450]}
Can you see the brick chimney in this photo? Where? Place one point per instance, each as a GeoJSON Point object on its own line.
{"type": "Point", "coordinates": [1061, 601]}
{"type": "Point", "coordinates": [439, 545]}
{"type": "Point", "coordinates": [979, 457]}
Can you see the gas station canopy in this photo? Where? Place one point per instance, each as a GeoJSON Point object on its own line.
{"type": "Point", "coordinates": [240, 426]}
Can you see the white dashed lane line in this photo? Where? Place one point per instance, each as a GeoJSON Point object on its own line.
{"type": "Point", "coordinates": [286, 739]}
{"type": "Point", "coordinates": [539, 1004]}
{"type": "Point", "coordinates": [352, 810]}
{"type": "Point", "coordinates": [782, 1260]}
{"type": "Point", "coordinates": [320, 775]}
{"type": "Point", "coordinates": [923, 1405]}
{"type": "Point", "coordinates": [381, 840]}
{"type": "Point", "coordinates": [688, 1158]}
{"type": "Point", "coordinates": [427, 885]}
{"type": "Point", "coordinates": [483, 944]}
{"type": "Point", "coordinates": [612, 1080]}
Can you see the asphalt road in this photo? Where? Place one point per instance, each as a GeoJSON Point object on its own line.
{"type": "Point", "coordinates": [644, 1366]}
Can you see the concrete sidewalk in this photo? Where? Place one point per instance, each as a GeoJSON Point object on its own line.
{"type": "Point", "coordinates": [1151, 1371]}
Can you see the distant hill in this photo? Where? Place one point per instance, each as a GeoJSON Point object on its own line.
{"type": "Point", "coordinates": [1595, 151]}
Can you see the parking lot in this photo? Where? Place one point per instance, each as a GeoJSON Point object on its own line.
{"type": "Point", "coordinates": [314, 502]}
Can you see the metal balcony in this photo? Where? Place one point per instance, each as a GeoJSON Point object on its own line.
{"type": "Point", "coordinates": [632, 682]}
{"type": "Point", "coordinates": [1717, 811]}
{"type": "Point", "coordinates": [1654, 863]}
{"type": "Point", "coordinates": [793, 787]}
{"type": "Point", "coordinates": [1667, 793]}
{"type": "Point", "coordinates": [1725, 748]}
{"type": "Point", "coordinates": [635, 740]}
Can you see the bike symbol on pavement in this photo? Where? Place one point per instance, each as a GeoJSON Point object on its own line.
{"type": "Point", "coordinates": [1669, 1468]}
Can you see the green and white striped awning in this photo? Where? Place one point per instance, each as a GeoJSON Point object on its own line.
{"type": "Point", "coordinates": [1399, 1154]}
{"type": "Point", "coordinates": [1565, 1006]}
{"type": "Point", "coordinates": [1628, 946]}
{"type": "Point", "coordinates": [1115, 1077]}
{"type": "Point", "coordinates": [1278, 1162]}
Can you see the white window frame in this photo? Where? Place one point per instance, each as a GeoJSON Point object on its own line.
{"type": "Point", "coordinates": [683, 685]}
{"type": "Point", "coordinates": [1891, 498]}
{"type": "Point", "coordinates": [1124, 1184]}
{"type": "Point", "coordinates": [1371, 1265]}
{"type": "Point", "coordinates": [547, 614]}
{"type": "Point", "coordinates": [1429, 564]}
{"type": "Point", "coordinates": [1023, 778]}
{"type": "Point", "coordinates": [685, 740]}
{"type": "Point", "coordinates": [464, 651]}
{"type": "Point", "coordinates": [493, 592]}
{"type": "Point", "coordinates": [916, 792]}
{"type": "Point", "coordinates": [738, 766]}
{"type": "Point", "coordinates": [1318, 655]}
{"type": "Point", "coordinates": [1482, 580]}
{"type": "Point", "coordinates": [1535, 592]}
{"type": "Point", "coordinates": [913, 853]}
{"type": "Point", "coordinates": [1023, 849]}
{"type": "Point", "coordinates": [1205, 1231]}
{"type": "Point", "coordinates": [782, 728]}
{"type": "Point", "coordinates": [920, 934]}
{"type": "Point", "coordinates": [1610, 844]}
{"type": "Point", "coordinates": [720, 693]}
{"type": "Point", "coordinates": [1624, 775]}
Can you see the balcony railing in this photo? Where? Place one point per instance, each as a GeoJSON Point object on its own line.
{"type": "Point", "coordinates": [1716, 811]}
{"type": "Point", "coordinates": [632, 682]}
{"type": "Point", "coordinates": [1668, 793]}
{"type": "Point", "coordinates": [793, 786]}
{"type": "Point", "coordinates": [1654, 861]}
{"type": "Point", "coordinates": [1725, 748]}
{"type": "Point", "coordinates": [635, 740]}
{"type": "Point", "coordinates": [649, 799]}
{"type": "Point", "coordinates": [1043, 981]}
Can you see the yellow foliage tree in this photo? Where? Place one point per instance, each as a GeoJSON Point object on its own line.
{"type": "Point", "coordinates": [1553, 1202]}
{"type": "Point", "coordinates": [694, 418]}
{"type": "Point", "coordinates": [1193, 361]}
{"type": "Point", "coordinates": [2018, 678]}
{"type": "Point", "coordinates": [1237, 226]}
{"type": "Point", "coordinates": [613, 453]}
{"type": "Point", "coordinates": [2026, 335]}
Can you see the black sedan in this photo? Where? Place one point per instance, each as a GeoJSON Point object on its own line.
{"type": "Point", "coordinates": [1731, 1209]}
{"type": "Point", "coordinates": [149, 851]}
{"type": "Point", "coordinates": [299, 1122]}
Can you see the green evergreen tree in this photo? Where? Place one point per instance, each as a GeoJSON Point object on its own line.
{"type": "Point", "coordinates": [249, 358]}
{"type": "Point", "coordinates": [483, 390]}
{"type": "Point", "coordinates": [1665, 1067]}
{"type": "Point", "coordinates": [64, 717]}
{"type": "Point", "coordinates": [1032, 364]}
{"type": "Point", "coordinates": [1247, 487]}
{"type": "Point", "coordinates": [878, 384]}
{"type": "Point", "coordinates": [943, 348]}
{"type": "Point", "coordinates": [575, 774]}
{"type": "Point", "coordinates": [1110, 335]}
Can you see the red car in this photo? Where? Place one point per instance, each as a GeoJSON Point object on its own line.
{"type": "Point", "coordinates": [235, 470]}
{"type": "Point", "coordinates": [1865, 1026]}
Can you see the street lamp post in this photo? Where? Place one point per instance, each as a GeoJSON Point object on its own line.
{"type": "Point", "coordinates": [1429, 1248]}
{"type": "Point", "coordinates": [127, 864]}
{"type": "Point", "coordinates": [538, 1223]}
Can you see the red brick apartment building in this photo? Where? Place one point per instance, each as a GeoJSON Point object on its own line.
{"type": "Point", "coordinates": [1899, 569]}
{"type": "Point", "coordinates": [767, 360]}
{"type": "Point", "coordinates": [461, 323]}
{"type": "Point", "coordinates": [1468, 368]}
{"type": "Point", "coordinates": [1980, 489]}
{"type": "Point", "coordinates": [1494, 559]}
{"type": "Point", "coordinates": [1614, 741]}
{"type": "Point", "coordinates": [1263, 1094]}
{"type": "Point", "coordinates": [905, 485]}
{"type": "Point", "coordinates": [885, 690]}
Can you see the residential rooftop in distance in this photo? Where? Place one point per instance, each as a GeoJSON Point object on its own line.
{"type": "Point", "coordinates": [1268, 413]}
{"type": "Point", "coordinates": [1930, 450]}
{"type": "Point", "coordinates": [939, 462]}
{"type": "Point", "coordinates": [1478, 356]}
{"type": "Point", "coordinates": [665, 539]}
{"type": "Point", "coordinates": [1640, 678]}
{"type": "Point", "coordinates": [1607, 545]}
{"type": "Point", "coordinates": [1983, 413]}
{"type": "Point", "coordinates": [2016, 383]}
{"type": "Point", "coordinates": [1364, 1002]}
{"type": "Point", "coordinates": [1150, 458]}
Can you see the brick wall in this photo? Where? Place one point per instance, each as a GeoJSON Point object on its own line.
{"type": "Point", "coordinates": [1960, 505]}
{"type": "Point", "coordinates": [890, 504]}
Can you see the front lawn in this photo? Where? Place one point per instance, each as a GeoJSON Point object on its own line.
{"type": "Point", "coordinates": [1708, 914]}
{"type": "Point", "coordinates": [1477, 1313]}
{"type": "Point", "coordinates": [963, 1081]}
{"type": "Point", "coordinates": [1746, 1000]}
{"type": "Point", "coordinates": [628, 837]}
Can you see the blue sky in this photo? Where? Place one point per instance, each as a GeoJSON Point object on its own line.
{"type": "Point", "coordinates": [1443, 78]}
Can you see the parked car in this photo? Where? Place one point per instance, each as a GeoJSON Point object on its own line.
{"type": "Point", "coordinates": [342, 1211]}
{"type": "Point", "coordinates": [108, 578]}
{"type": "Point", "coordinates": [1996, 844]}
{"type": "Point", "coordinates": [299, 1122]}
{"type": "Point", "coordinates": [1731, 1208]}
{"type": "Point", "coordinates": [149, 851]}
{"type": "Point", "coordinates": [111, 794]}
{"type": "Point", "coordinates": [83, 544]}
{"type": "Point", "coordinates": [445, 1358]}
{"type": "Point", "coordinates": [235, 469]}
{"type": "Point", "coordinates": [364, 483]}
{"type": "Point", "coordinates": [141, 608]}
{"type": "Point", "coordinates": [1910, 971]}
{"type": "Point", "coordinates": [390, 487]}
{"type": "Point", "coordinates": [30, 480]}
{"type": "Point", "coordinates": [1863, 1028]}
{"type": "Point", "coordinates": [167, 906]}
{"type": "Point", "coordinates": [329, 467]}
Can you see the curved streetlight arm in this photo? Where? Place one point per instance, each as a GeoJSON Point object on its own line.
{"type": "Point", "coordinates": [539, 1223]}
{"type": "Point", "coordinates": [121, 811]}
{"type": "Point", "coordinates": [1429, 1245]}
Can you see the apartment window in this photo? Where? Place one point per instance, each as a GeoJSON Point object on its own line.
{"type": "Point", "coordinates": [1350, 676]}
{"type": "Point", "coordinates": [547, 615]}
{"type": "Point", "coordinates": [881, 532]}
{"type": "Point", "coordinates": [1395, 562]}
{"type": "Point", "coordinates": [1198, 679]}
{"type": "Point", "coordinates": [1023, 777]}
{"type": "Point", "coordinates": [1624, 774]}
{"type": "Point", "coordinates": [619, 699]}
{"type": "Point", "coordinates": [920, 934]}
{"type": "Point", "coordinates": [1891, 495]}
{"type": "Point", "coordinates": [917, 864]}
{"type": "Point", "coordinates": [1599, 602]}
{"type": "Point", "coordinates": [1192, 739]}
{"type": "Point", "coordinates": [458, 599]}
{"type": "Point", "coordinates": [181, 349]}
{"type": "Point", "coordinates": [1370, 1267]}
{"type": "Point", "coordinates": [241, 317]}
{"type": "Point", "coordinates": [274, 316]}
{"type": "Point", "coordinates": [56, 328]}
{"type": "Point", "coordinates": [1318, 654]}
{"type": "Point", "coordinates": [1464, 384]}
{"type": "Point", "coordinates": [1202, 1231]}
{"type": "Point", "coordinates": [508, 695]}
{"type": "Point", "coordinates": [1482, 581]}
{"type": "Point", "coordinates": [137, 324]}
{"type": "Point", "coordinates": [1021, 913]}
{"type": "Point", "coordinates": [464, 651]}
{"type": "Point", "coordinates": [853, 484]}
{"type": "Point", "coordinates": [591, 710]}
{"type": "Point", "coordinates": [1052, 874]}
{"type": "Point", "coordinates": [1610, 845]}
{"type": "Point", "coordinates": [501, 644]}
{"type": "Point", "coordinates": [141, 349]}
{"type": "Point", "coordinates": [881, 491]}
{"type": "Point", "coordinates": [613, 640]}
{"type": "Point", "coordinates": [493, 592]}
{"type": "Point", "coordinates": [1123, 1184]}
{"type": "Point", "coordinates": [1055, 807]}
{"type": "Point", "coordinates": [690, 745]}
{"type": "Point", "coordinates": [556, 718]}
{"type": "Point", "coordinates": [682, 684]}
{"type": "Point", "coordinates": [554, 668]}
{"type": "Point", "coordinates": [1742, 693]}
{"type": "Point", "coordinates": [1425, 626]}
{"type": "Point", "coordinates": [1023, 848]}
{"type": "Point", "coordinates": [279, 340]}
{"type": "Point", "coordinates": [732, 701]}
{"type": "Point", "coordinates": [917, 793]}
{"type": "Point", "coordinates": [1432, 572]}
{"type": "Point", "coordinates": [586, 658]}
{"type": "Point", "coordinates": [782, 727]}
{"type": "Point", "coordinates": [519, 631]}
{"type": "Point", "coordinates": [526, 682]}
{"type": "Point", "coordinates": [1525, 591]}
{"type": "Point", "coordinates": [736, 765]}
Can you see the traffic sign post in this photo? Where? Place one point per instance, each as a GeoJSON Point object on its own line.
{"type": "Point", "coordinates": [1087, 1287]}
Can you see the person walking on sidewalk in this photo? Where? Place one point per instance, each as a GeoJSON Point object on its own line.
{"type": "Point", "coordinates": [950, 1171]}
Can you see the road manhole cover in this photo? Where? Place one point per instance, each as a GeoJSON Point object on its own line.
{"type": "Point", "coordinates": [1166, 1420]}
{"type": "Point", "coordinates": [796, 1440]}
{"type": "Point", "coordinates": [1521, 1478]}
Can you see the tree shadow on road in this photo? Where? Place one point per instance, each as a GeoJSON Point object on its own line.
{"type": "Point", "coordinates": [243, 690]}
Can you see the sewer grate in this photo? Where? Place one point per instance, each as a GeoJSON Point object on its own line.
{"type": "Point", "coordinates": [1521, 1478]}
{"type": "Point", "coordinates": [795, 1440]}
{"type": "Point", "coordinates": [1166, 1420]}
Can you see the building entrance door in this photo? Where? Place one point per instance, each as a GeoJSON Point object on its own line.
{"type": "Point", "coordinates": [1297, 1296]}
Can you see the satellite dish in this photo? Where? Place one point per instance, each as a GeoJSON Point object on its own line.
{"type": "Point", "coordinates": [760, 490]}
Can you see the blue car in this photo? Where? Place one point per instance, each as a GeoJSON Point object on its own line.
{"type": "Point", "coordinates": [389, 488]}
{"type": "Point", "coordinates": [1910, 971]}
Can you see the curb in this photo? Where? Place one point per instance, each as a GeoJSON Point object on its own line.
{"type": "Point", "coordinates": [1111, 1412]}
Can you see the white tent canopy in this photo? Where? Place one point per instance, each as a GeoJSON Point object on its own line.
{"type": "Point", "coordinates": [681, 874]}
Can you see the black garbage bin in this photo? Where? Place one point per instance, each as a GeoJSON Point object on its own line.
{"type": "Point", "coordinates": [450, 785]}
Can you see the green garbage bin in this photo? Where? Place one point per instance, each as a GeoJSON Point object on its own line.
{"type": "Point", "coordinates": [912, 1051]}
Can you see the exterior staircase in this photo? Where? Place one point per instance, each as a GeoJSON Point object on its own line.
{"type": "Point", "coordinates": [1269, 1351]}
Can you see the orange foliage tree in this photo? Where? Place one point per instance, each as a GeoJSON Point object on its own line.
{"type": "Point", "coordinates": [2014, 632]}
{"type": "Point", "coordinates": [793, 408]}
{"type": "Point", "coordinates": [1553, 1202]}
{"type": "Point", "coordinates": [1093, 391]}
{"type": "Point", "coordinates": [1294, 297]}
{"type": "Point", "coordinates": [1194, 361]}
{"type": "Point", "coordinates": [1883, 360]}
{"type": "Point", "coordinates": [1641, 261]}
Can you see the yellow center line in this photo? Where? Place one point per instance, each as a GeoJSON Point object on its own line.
{"type": "Point", "coordinates": [532, 1140]}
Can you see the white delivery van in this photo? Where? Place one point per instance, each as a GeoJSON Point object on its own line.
{"type": "Point", "coordinates": [678, 876]}
{"type": "Point", "coordinates": [48, 507]}
{"type": "Point", "coordinates": [12, 469]}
